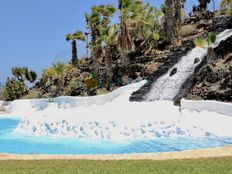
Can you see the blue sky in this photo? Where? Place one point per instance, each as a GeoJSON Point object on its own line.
{"type": "Point", "coordinates": [32, 32]}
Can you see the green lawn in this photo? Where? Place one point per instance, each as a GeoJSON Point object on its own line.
{"type": "Point", "coordinates": [200, 166]}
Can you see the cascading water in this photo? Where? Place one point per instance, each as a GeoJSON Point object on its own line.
{"type": "Point", "coordinates": [168, 85]}
{"type": "Point", "coordinates": [113, 117]}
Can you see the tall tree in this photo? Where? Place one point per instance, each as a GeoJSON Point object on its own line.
{"type": "Point", "coordinates": [97, 19]}
{"type": "Point", "coordinates": [138, 21]}
{"type": "Point", "coordinates": [109, 37]}
{"type": "Point", "coordinates": [169, 24]}
{"type": "Point", "coordinates": [125, 43]}
{"type": "Point", "coordinates": [203, 4]}
{"type": "Point", "coordinates": [78, 35]}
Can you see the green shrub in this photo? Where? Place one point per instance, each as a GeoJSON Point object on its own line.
{"type": "Point", "coordinates": [14, 89]}
{"type": "Point", "coordinates": [227, 5]}
{"type": "Point", "coordinates": [201, 42]}
{"type": "Point", "coordinates": [74, 84]}
{"type": "Point", "coordinates": [187, 30]}
{"type": "Point", "coordinates": [58, 70]}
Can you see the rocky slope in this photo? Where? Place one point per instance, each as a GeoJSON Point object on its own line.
{"type": "Point", "coordinates": [212, 78]}
{"type": "Point", "coordinates": [211, 81]}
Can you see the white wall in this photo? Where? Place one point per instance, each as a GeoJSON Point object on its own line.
{"type": "Point", "coordinates": [209, 105]}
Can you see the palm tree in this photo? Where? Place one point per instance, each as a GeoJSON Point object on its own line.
{"type": "Point", "coordinates": [169, 21]}
{"type": "Point", "coordinates": [109, 37]}
{"type": "Point", "coordinates": [138, 22]}
{"type": "Point", "coordinates": [97, 19]}
{"type": "Point", "coordinates": [203, 4]}
{"type": "Point", "coordinates": [23, 74]}
{"type": "Point", "coordinates": [125, 43]}
{"type": "Point", "coordinates": [87, 43]}
{"type": "Point", "coordinates": [73, 38]}
{"type": "Point", "coordinates": [179, 6]}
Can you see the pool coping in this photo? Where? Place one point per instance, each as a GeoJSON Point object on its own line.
{"type": "Point", "coordinates": [187, 154]}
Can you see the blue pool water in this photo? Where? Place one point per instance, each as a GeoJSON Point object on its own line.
{"type": "Point", "coordinates": [11, 142]}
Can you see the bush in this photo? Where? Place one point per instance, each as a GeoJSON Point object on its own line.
{"type": "Point", "coordinates": [14, 89]}
{"type": "Point", "coordinates": [74, 84]}
{"type": "Point", "coordinates": [227, 6]}
{"type": "Point", "coordinates": [58, 70]}
{"type": "Point", "coordinates": [91, 81]}
{"type": "Point", "coordinates": [187, 30]}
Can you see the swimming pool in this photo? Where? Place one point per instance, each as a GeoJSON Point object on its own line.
{"type": "Point", "coordinates": [15, 143]}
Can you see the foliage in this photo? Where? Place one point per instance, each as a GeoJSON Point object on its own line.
{"type": "Point", "coordinates": [91, 81]}
{"type": "Point", "coordinates": [97, 20]}
{"type": "Point", "coordinates": [227, 4]}
{"type": "Point", "coordinates": [24, 74]}
{"type": "Point", "coordinates": [74, 84]}
{"type": "Point", "coordinates": [78, 35]}
{"type": "Point", "coordinates": [212, 37]}
{"type": "Point", "coordinates": [187, 30]}
{"type": "Point", "coordinates": [14, 89]}
{"type": "Point", "coordinates": [58, 70]}
{"type": "Point", "coordinates": [138, 22]}
{"type": "Point", "coordinates": [201, 42]}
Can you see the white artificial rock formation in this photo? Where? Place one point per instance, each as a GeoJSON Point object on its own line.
{"type": "Point", "coordinates": [118, 119]}
{"type": "Point", "coordinates": [207, 105]}
{"type": "Point", "coordinates": [113, 117]}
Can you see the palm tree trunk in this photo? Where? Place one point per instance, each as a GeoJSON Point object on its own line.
{"type": "Point", "coordinates": [203, 4]}
{"type": "Point", "coordinates": [211, 55]}
{"type": "Point", "coordinates": [96, 54]}
{"type": "Point", "coordinates": [108, 64]}
{"type": "Point", "coordinates": [74, 53]}
{"type": "Point", "coordinates": [178, 9]}
{"type": "Point", "coordinates": [125, 42]}
{"type": "Point", "coordinates": [169, 21]}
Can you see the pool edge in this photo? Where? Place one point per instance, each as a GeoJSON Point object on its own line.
{"type": "Point", "coordinates": [187, 154]}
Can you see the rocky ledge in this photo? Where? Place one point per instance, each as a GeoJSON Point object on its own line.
{"type": "Point", "coordinates": [214, 80]}
{"type": "Point", "coordinates": [200, 85]}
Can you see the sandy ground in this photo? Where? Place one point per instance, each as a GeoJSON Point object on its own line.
{"type": "Point", "coordinates": [189, 154]}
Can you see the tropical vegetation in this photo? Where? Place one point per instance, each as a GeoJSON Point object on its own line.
{"type": "Point", "coordinates": [15, 87]}
{"type": "Point", "coordinates": [118, 35]}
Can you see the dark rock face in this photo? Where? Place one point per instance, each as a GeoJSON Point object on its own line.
{"type": "Point", "coordinates": [171, 60]}
{"type": "Point", "coordinates": [213, 81]}
{"type": "Point", "coordinates": [174, 71]}
{"type": "Point", "coordinates": [224, 47]}
{"type": "Point", "coordinates": [196, 60]}
{"type": "Point", "coordinates": [221, 23]}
